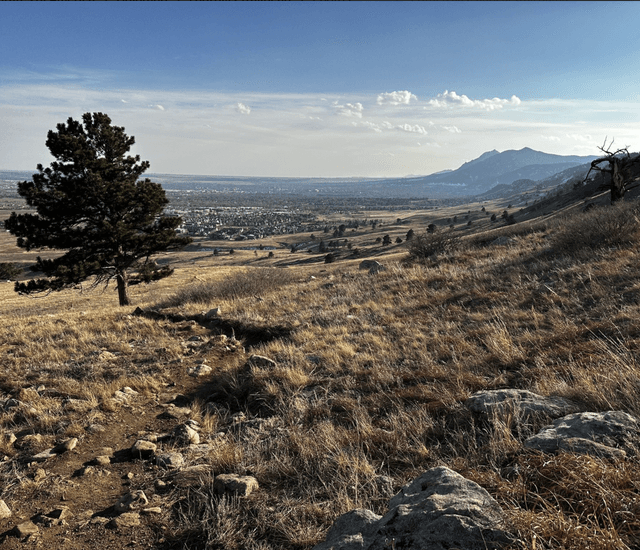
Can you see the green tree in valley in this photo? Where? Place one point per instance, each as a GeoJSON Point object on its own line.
{"type": "Point", "coordinates": [91, 203]}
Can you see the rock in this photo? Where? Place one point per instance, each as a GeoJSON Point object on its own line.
{"type": "Point", "coordinates": [185, 435]}
{"type": "Point", "coordinates": [200, 370]}
{"type": "Point", "coordinates": [501, 241]}
{"type": "Point", "coordinates": [523, 403]}
{"type": "Point", "coordinates": [101, 460]}
{"type": "Point", "coordinates": [235, 485]}
{"type": "Point", "coordinates": [439, 510]}
{"type": "Point", "coordinates": [369, 264]}
{"type": "Point", "coordinates": [66, 445]}
{"type": "Point", "coordinates": [152, 510]}
{"type": "Point", "coordinates": [125, 394]}
{"type": "Point", "coordinates": [8, 438]}
{"type": "Point", "coordinates": [131, 501]}
{"type": "Point", "coordinates": [143, 449]}
{"type": "Point", "coordinates": [604, 434]}
{"type": "Point", "coordinates": [262, 362]}
{"type": "Point", "coordinates": [124, 521]}
{"type": "Point", "coordinates": [55, 517]}
{"type": "Point", "coordinates": [5, 512]}
{"type": "Point", "coordinates": [213, 313]}
{"type": "Point", "coordinates": [170, 460]}
{"type": "Point", "coordinates": [138, 311]}
{"type": "Point", "coordinates": [25, 529]}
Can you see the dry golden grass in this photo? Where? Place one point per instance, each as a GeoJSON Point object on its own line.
{"type": "Point", "coordinates": [370, 381]}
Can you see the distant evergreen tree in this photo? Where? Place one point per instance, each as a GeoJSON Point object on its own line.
{"type": "Point", "coordinates": [91, 203]}
{"type": "Point", "coordinates": [410, 234]}
{"type": "Point", "coordinates": [386, 240]}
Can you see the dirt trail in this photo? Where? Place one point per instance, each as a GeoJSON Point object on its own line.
{"type": "Point", "coordinates": [90, 494]}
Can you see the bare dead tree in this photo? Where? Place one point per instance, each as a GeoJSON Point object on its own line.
{"type": "Point", "coordinates": [616, 160]}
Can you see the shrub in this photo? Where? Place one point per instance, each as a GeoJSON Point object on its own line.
{"type": "Point", "coordinates": [429, 244]}
{"type": "Point", "coordinates": [9, 271]}
{"type": "Point", "coordinates": [600, 227]}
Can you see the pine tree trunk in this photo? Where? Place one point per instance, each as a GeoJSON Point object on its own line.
{"type": "Point", "coordinates": [121, 278]}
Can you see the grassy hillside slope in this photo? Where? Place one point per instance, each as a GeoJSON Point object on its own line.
{"type": "Point", "coordinates": [371, 375]}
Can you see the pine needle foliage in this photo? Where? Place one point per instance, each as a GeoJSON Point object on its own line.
{"type": "Point", "coordinates": [91, 203]}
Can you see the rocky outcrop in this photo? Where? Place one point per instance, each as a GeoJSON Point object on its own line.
{"type": "Point", "coordinates": [611, 434]}
{"type": "Point", "coordinates": [523, 403]}
{"type": "Point", "coordinates": [439, 510]}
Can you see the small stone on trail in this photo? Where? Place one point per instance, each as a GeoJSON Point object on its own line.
{"type": "Point", "coordinates": [143, 449]}
{"type": "Point", "coordinates": [131, 501]}
{"type": "Point", "coordinates": [5, 512]}
{"type": "Point", "coordinates": [25, 529]}
{"type": "Point", "coordinates": [170, 460]}
{"type": "Point", "coordinates": [128, 519]}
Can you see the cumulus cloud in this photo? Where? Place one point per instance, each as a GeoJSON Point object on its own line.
{"type": "Point", "coordinates": [452, 99]}
{"type": "Point", "coordinates": [243, 109]}
{"type": "Point", "coordinates": [396, 98]}
{"type": "Point", "coordinates": [452, 129]}
{"type": "Point", "coordinates": [349, 109]}
{"type": "Point", "coordinates": [157, 107]}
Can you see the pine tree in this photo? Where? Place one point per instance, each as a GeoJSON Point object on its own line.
{"type": "Point", "coordinates": [91, 203]}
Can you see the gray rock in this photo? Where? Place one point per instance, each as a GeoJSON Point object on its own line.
{"type": "Point", "coordinates": [501, 241]}
{"type": "Point", "coordinates": [262, 362]}
{"type": "Point", "coordinates": [124, 521]}
{"type": "Point", "coordinates": [170, 460]}
{"type": "Point", "coordinates": [185, 435]}
{"type": "Point", "coordinates": [233, 484]}
{"type": "Point", "coordinates": [439, 510]}
{"type": "Point", "coordinates": [521, 402]}
{"type": "Point", "coordinates": [370, 264]}
{"type": "Point", "coordinates": [143, 449]}
{"type": "Point", "coordinates": [604, 434]}
{"type": "Point", "coordinates": [131, 501]}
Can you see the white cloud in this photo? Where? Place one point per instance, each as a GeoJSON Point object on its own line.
{"type": "Point", "coordinates": [452, 99]}
{"type": "Point", "coordinates": [551, 138]}
{"type": "Point", "coordinates": [578, 137]}
{"type": "Point", "coordinates": [158, 107]}
{"type": "Point", "coordinates": [375, 127]}
{"type": "Point", "coordinates": [243, 109]}
{"type": "Point", "coordinates": [396, 98]}
{"type": "Point", "coordinates": [452, 129]}
{"type": "Point", "coordinates": [415, 129]}
{"type": "Point", "coordinates": [349, 109]}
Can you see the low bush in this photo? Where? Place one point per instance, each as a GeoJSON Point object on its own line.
{"type": "Point", "coordinates": [604, 226]}
{"type": "Point", "coordinates": [433, 243]}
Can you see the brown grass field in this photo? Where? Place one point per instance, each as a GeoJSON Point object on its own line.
{"type": "Point", "coordinates": [371, 378]}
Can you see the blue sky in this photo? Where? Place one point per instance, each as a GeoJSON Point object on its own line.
{"type": "Point", "coordinates": [322, 88]}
